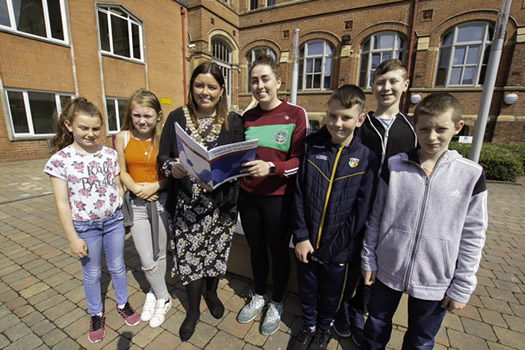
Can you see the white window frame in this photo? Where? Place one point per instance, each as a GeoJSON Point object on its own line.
{"type": "Point", "coordinates": [222, 55]}
{"type": "Point", "coordinates": [252, 56]}
{"type": "Point", "coordinates": [63, 18]}
{"type": "Point", "coordinates": [467, 45]}
{"type": "Point", "coordinates": [250, 3]}
{"type": "Point", "coordinates": [305, 56]}
{"type": "Point", "coordinates": [113, 103]}
{"type": "Point", "coordinates": [29, 116]}
{"type": "Point", "coordinates": [130, 19]}
{"type": "Point", "coordinates": [397, 51]}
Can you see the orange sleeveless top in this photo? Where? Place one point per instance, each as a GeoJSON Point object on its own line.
{"type": "Point", "coordinates": [141, 159]}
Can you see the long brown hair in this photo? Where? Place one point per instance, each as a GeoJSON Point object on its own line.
{"type": "Point", "coordinates": [70, 110]}
{"type": "Point", "coordinates": [144, 98]}
{"type": "Point", "coordinates": [221, 109]}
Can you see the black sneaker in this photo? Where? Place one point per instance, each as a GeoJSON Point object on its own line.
{"type": "Point", "coordinates": [321, 340]}
{"type": "Point", "coordinates": [342, 329]}
{"type": "Point", "coordinates": [303, 339]}
{"type": "Point", "coordinates": [357, 325]}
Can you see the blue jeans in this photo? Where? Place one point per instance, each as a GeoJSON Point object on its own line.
{"type": "Point", "coordinates": [424, 319]}
{"type": "Point", "coordinates": [110, 233]}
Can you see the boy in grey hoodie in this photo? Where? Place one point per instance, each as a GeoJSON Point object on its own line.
{"type": "Point", "coordinates": [426, 232]}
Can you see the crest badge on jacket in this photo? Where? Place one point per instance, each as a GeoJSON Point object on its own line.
{"type": "Point", "coordinates": [353, 162]}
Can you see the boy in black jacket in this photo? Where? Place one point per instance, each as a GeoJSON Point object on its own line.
{"type": "Point", "coordinates": [387, 132]}
{"type": "Point", "coordinates": [335, 184]}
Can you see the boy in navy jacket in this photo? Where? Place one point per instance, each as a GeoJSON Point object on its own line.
{"type": "Point", "coordinates": [335, 185]}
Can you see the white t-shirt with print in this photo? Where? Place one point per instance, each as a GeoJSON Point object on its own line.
{"type": "Point", "coordinates": [91, 181]}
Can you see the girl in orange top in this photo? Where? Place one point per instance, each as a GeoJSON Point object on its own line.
{"type": "Point", "coordinates": [137, 146]}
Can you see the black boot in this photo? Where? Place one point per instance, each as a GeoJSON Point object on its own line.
{"type": "Point", "coordinates": [212, 299]}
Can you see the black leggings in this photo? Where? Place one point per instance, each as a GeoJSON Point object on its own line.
{"type": "Point", "coordinates": [266, 223]}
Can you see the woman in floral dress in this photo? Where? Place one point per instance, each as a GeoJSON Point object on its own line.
{"type": "Point", "coordinates": [202, 219]}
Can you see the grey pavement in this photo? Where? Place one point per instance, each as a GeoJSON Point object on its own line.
{"type": "Point", "coordinates": [42, 304]}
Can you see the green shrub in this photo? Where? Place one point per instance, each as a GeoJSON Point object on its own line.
{"type": "Point", "coordinates": [501, 162]}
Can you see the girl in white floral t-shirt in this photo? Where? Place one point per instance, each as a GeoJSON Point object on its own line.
{"type": "Point", "coordinates": [85, 180]}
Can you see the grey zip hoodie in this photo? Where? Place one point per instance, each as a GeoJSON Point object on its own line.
{"type": "Point", "coordinates": [425, 234]}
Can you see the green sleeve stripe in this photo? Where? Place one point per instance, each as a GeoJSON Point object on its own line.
{"type": "Point", "coordinates": [277, 136]}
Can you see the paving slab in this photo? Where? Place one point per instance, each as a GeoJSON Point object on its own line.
{"type": "Point", "coordinates": [42, 303]}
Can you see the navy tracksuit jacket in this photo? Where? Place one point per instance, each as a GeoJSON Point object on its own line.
{"type": "Point", "coordinates": [335, 188]}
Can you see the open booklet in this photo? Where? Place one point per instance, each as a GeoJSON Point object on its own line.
{"type": "Point", "coordinates": [218, 165]}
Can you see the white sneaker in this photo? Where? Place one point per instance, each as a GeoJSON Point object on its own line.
{"type": "Point", "coordinates": [272, 320]}
{"type": "Point", "coordinates": [250, 310]}
{"type": "Point", "coordinates": [149, 307]}
{"type": "Point", "coordinates": [159, 315]}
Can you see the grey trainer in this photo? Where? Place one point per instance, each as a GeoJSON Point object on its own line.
{"type": "Point", "coordinates": [250, 310]}
{"type": "Point", "coordinates": [272, 320]}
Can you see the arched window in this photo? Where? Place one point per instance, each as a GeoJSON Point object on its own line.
{"type": "Point", "coordinates": [315, 65]}
{"type": "Point", "coordinates": [377, 48]}
{"type": "Point", "coordinates": [463, 55]}
{"type": "Point", "coordinates": [222, 55]}
{"type": "Point", "coordinates": [252, 55]}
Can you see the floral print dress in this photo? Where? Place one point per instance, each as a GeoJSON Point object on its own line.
{"type": "Point", "coordinates": [201, 235]}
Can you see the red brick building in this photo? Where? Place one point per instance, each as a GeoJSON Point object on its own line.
{"type": "Point", "coordinates": [105, 50]}
{"type": "Point", "coordinates": [343, 41]}
{"type": "Point", "coordinates": [55, 49]}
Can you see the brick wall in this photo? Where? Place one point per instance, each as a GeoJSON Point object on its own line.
{"type": "Point", "coordinates": [40, 65]}
{"type": "Point", "coordinates": [244, 30]}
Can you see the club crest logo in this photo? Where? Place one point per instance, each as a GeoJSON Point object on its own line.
{"type": "Point", "coordinates": [280, 136]}
{"type": "Point", "coordinates": [353, 162]}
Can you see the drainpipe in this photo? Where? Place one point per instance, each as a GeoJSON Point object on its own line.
{"type": "Point", "coordinates": [183, 24]}
{"type": "Point", "coordinates": [496, 49]}
{"type": "Point", "coordinates": [411, 51]}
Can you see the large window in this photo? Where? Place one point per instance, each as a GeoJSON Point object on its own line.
{"type": "Point", "coordinates": [222, 55]}
{"type": "Point", "coordinates": [41, 18]}
{"type": "Point", "coordinates": [120, 33]}
{"type": "Point", "coordinates": [463, 55]}
{"type": "Point", "coordinates": [252, 56]}
{"type": "Point", "coordinates": [115, 108]}
{"type": "Point", "coordinates": [31, 112]}
{"type": "Point", "coordinates": [315, 66]}
{"type": "Point", "coordinates": [377, 48]}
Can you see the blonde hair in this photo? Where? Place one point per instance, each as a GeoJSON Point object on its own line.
{"type": "Point", "coordinates": [144, 98]}
{"type": "Point", "coordinates": [70, 110]}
